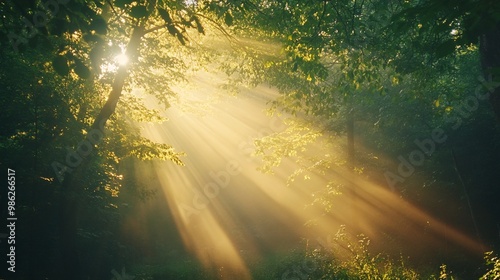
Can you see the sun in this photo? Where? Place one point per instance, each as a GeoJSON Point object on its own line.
{"type": "Point", "coordinates": [121, 59]}
{"type": "Point", "coordinates": [118, 60]}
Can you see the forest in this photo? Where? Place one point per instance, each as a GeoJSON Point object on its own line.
{"type": "Point", "coordinates": [246, 139]}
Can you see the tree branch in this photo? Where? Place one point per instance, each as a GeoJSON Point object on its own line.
{"type": "Point", "coordinates": [109, 107]}
{"type": "Point", "coordinates": [154, 29]}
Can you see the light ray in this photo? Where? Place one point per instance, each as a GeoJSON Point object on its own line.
{"type": "Point", "coordinates": [228, 213]}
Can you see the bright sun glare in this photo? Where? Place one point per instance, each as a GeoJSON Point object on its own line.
{"type": "Point", "coordinates": [121, 59]}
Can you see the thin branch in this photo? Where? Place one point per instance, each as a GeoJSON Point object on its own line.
{"type": "Point", "coordinates": [322, 15]}
{"type": "Point", "coordinates": [154, 29]}
{"type": "Point", "coordinates": [348, 36]}
{"type": "Point", "coordinates": [257, 8]}
{"type": "Point", "coordinates": [219, 27]}
{"type": "Point", "coordinates": [112, 8]}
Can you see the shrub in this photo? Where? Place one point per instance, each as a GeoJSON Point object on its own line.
{"type": "Point", "coordinates": [494, 272]}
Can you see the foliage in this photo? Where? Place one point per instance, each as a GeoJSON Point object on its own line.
{"type": "Point", "coordinates": [59, 73]}
{"type": "Point", "coordinates": [354, 261]}
{"type": "Point", "coordinates": [494, 262]}
{"type": "Point", "coordinates": [288, 143]}
{"type": "Point", "coordinates": [397, 69]}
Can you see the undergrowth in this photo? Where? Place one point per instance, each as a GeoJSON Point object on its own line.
{"type": "Point", "coordinates": [341, 258]}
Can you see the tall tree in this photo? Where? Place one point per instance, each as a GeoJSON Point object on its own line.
{"type": "Point", "coordinates": [79, 41]}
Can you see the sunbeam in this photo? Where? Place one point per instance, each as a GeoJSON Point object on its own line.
{"type": "Point", "coordinates": [229, 214]}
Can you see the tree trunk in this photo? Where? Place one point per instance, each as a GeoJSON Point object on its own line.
{"type": "Point", "coordinates": [109, 107]}
{"type": "Point", "coordinates": [73, 190]}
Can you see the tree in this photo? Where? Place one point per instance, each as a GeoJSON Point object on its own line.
{"type": "Point", "coordinates": [78, 41]}
{"type": "Point", "coordinates": [342, 62]}
{"type": "Point", "coordinates": [406, 68]}
{"type": "Point", "coordinates": [457, 25]}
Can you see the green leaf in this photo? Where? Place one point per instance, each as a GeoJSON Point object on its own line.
{"type": "Point", "coordinates": [172, 30]}
{"type": "Point", "coordinates": [138, 11]}
{"type": "Point", "coordinates": [81, 70]}
{"type": "Point", "coordinates": [165, 16]}
{"type": "Point", "coordinates": [168, 21]}
{"type": "Point", "coordinates": [350, 75]}
{"type": "Point", "coordinates": [228, 19]}
{"type": "Point", "coordinates": [181, 38]}
{"type": "Point", "coordinates": [100, 25]}
{"type": "Point", "coordinates": [199, 27]}
{"type": "Point", "coordinates": [60, 64]}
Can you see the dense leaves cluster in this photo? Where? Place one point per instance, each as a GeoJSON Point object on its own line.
{"type": "Point", "coordinates": [59, 69]}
